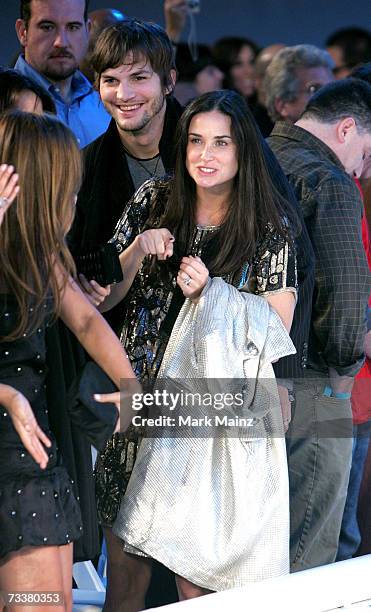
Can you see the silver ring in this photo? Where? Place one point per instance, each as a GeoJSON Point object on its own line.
{"type": "Point", "coordinates": [3, 202]}
{"type": "Point", "coordinates": [187, 280]}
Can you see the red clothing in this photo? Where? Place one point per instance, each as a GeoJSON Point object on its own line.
{"type": "Point", "coordinates": [361, 395]}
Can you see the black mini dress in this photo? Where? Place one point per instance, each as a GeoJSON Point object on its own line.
{"type": "Point", "coordinates": [37, 507]}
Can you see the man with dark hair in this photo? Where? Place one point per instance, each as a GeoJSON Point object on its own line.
{"type": "Point", "coordinates": [320, 154]}
{"type": "Point", "coordinates": [99, 19]}
{"type": "Point", "coordinates": [135, 75]}
{"type": "Point", "coordinates": [54, 36]}
{"type": "Point", "coordinates": [349, 48]}
{"type": "Point", "coordinates": [134, 64]}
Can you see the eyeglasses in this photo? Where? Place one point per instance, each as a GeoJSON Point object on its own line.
{"type": "Point", "coordinates": [311, 89]}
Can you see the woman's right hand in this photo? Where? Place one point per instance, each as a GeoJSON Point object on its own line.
{"type": "Point", "coordinates": [23, 418]}
{"type": "Point", "coordinates": [9, 188]}
{"type": "Point", "coordinates": [157, 242]}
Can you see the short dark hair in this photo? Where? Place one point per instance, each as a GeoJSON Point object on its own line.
{"type": "Point", "coordinates": [25, 10]}
{"type": "Point", "coordinates": [336, 101]}
{"type": "Point", "coordinates": [139, 38]}
{"type": "Point", "coordinates": [363, 73]}
{"type": "Point", "coordinates": [355, 44]}
{"type": "Point", "coordinates": [12, 83]}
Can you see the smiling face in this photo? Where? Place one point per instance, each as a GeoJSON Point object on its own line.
{"type": "Point", "coordinates": [133, 95]}
{"type": "Point", "coordinates": [56, 37]}
{"type": "Point", "coordinates": [211, 158]}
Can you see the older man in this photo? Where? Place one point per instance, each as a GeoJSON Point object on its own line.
{"type": "Point", "coordinates": [54, 37]}
{"type": "Point", "coordinates": [292, 77]}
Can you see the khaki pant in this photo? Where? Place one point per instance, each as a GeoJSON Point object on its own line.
{"type": "Point", "coordinates": [319, 457]}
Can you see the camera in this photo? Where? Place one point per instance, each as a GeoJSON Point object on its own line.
{"type": "Point", "coordinates": [194, 6]}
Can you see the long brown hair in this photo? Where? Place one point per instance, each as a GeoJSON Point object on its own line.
{"type": "Point", "coordinates": [256, 200]}
{"type": "Point", "coordinates": [32, 238]}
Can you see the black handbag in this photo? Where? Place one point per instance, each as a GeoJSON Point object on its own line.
{"type": "Point", "coordinates": [102, 265]}
{"type": "Point", "coordinates": [96, 420]}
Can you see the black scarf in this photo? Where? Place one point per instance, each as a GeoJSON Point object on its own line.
{"type": "Point", "coordinates": [107, 185]}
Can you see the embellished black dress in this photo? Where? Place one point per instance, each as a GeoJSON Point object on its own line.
{"type": "Point", "coordinates": [151, 309]}
{"type": "Point", "coordinates": [37, 507]}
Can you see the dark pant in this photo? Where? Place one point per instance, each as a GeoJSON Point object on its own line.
{"type": "Point", "coordinates": [319, 458]}
{"type": "Point", "coordinates": [350, 536]}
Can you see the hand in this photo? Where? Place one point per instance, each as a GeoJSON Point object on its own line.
{"type": "Point", "coordinates": [23, 418]}
{"type": "Point", "coordinates": [192, 277]}
{"type": "Point", "coordinates": [95, 293]}
{"type": "Point", "coordinates": [9, 188]}
{"type": "Point", "coordinates": [123, 401]}
{"type": "Point", "coordinates": [367, 345]}
{"type": "Point", "coordinates": [157, 242]}
{"type": "Point", "coordinates": [176, 12]}
{"type": "Point", "coordinates": [340, 384]}
{"type": "Point", "coordinates": [285, 406]}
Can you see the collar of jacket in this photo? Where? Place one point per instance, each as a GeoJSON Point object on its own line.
{"type": "Point", "coordinates": [287, 130]}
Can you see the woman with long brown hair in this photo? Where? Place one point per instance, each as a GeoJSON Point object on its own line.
{"type": "Point", "coordinates": [39, 516]}
{"type": "Point", "coordinates": [222, 216]}
{"type": "Point", "coordinates": [14, 402]}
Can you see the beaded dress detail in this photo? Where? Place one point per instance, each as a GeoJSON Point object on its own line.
{"type": "Point", "coordinates": [37, 507]}
{"type": "Point", "coordinates": [149, 313]}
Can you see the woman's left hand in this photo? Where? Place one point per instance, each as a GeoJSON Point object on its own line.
{"type": "Point", "coordinates": [192, 277]}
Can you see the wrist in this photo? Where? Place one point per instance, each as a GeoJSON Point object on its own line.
{"type": "Point", "coordinates": [139, 253]}
{"type": "Point", "coordinates": [8, 395]}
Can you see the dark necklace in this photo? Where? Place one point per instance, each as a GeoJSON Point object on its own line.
{"type": "Point", "coordinates": [140, 163]}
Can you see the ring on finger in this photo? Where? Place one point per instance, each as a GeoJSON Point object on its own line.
{"type": "Point", "coordinates": [3, 202]}
{"type": "Point", "coordinates": [187, 280]}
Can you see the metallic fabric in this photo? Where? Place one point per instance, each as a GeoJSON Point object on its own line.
{"type": "Point", "coordinates": [146, 328]}
{"type": "Point", "coordinates": [215, 510]}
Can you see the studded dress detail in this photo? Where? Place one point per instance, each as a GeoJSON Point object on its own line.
{"type": "Point", "coordinates": [37, 507]}
{"type": "Point", "coordinates": [150, 311]}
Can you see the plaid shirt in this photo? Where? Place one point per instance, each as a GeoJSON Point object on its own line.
{"type": "Point", "coordinates": [332, 209]}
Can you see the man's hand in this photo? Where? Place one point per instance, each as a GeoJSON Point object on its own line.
{"type": "Point", "coordinates": [368, 344]}
{"type": "Point", "coordinates": [95, 293]}
{"type": "Point", "coordinates": [176, 12]}
{"type": "Point", "coordinates": [340, 384]}
{"type": "Point", "coordinates": [123, 401]}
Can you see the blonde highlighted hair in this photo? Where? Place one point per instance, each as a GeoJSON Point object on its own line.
{"type": "Point", "coordinates": [32, 238]}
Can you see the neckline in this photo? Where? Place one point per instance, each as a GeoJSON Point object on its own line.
{"type": "Point", "coordinates": [140, 159]}
{"type": "Point", "coordinates": [207, 227]}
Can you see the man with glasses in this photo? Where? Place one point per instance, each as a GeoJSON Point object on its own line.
{"type": "Point", "coordinates": [292, 77]}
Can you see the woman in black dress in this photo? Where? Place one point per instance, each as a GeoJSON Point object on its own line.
{"type": "Point", "coordinates": [39, 515]}
{"type": "Point", "coordinates": [14, 402]}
